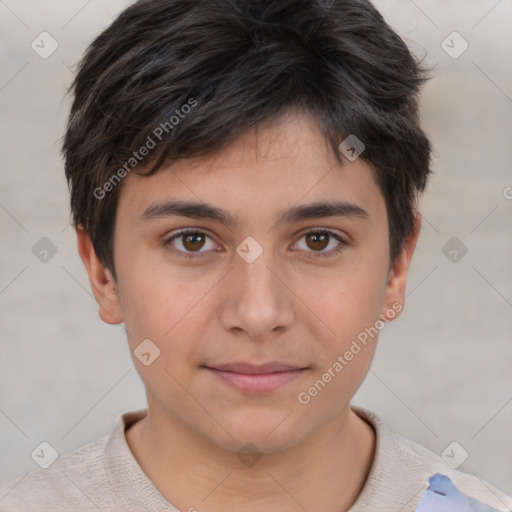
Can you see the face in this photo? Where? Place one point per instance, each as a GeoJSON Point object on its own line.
{"type": "Point", "coordinates": [282, 283]}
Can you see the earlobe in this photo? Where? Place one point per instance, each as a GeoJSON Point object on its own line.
{"type": "Point", "coordinates": [397, 280]}
{"type": "Point", "coordinates": [103, 284]}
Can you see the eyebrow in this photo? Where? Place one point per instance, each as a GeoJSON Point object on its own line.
{"type": "Point", "coordinates": [201, 210]}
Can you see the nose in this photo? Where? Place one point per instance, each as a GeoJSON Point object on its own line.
{"type": "Point", "coordinates": [257, 300]}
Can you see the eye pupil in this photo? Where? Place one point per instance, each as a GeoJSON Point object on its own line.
{"type": "Point", "coordinates": [194, 237]}
{"type": "Point", "coordinates": [323, 237]}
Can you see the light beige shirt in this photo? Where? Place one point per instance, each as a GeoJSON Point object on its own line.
{"type": "Point", "coordinates": [105, 476]}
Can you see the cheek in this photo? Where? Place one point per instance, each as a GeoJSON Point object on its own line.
{"type": "Point", "coordinates": [349, 309]}
{"type": "Point", "coordinates": [348, 301]}
{"type": "Point", "coordinates": [165, 305]}
{"type": "Point", "coordinates": [151, 297]}
{"type": "Point", "coordinates": [153, 313]}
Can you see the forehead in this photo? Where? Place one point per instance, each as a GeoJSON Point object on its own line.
{"type": "Point", "coordinates": [277, 164]}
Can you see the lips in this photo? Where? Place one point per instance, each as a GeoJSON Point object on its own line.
{"type": "Point", "coordinates": [246, 368]}
{"type": "Point", "coordinates": [256, 379]}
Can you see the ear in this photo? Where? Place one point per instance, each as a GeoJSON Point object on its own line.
{"type": "Point", "coordinates": [395, 289]}
{"type": "Point", "coordinates": [102, 282]}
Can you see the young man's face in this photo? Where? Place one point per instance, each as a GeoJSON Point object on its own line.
{"type": "Point", "coordinates": [300, 303]}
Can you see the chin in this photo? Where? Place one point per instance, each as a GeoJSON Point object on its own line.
{"type": "Point", "coordinates": [268, 436]}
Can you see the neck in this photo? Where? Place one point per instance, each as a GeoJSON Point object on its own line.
{"type": "Point", "coordinates": [194, 474]}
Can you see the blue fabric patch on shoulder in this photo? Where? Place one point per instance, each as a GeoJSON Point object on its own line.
{"type": "Point", "coordinates": [442, 496]}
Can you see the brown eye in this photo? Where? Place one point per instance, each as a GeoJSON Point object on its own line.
{"type": "Point", "coordinates": [318, 240]}
{"type": "Point", "coordinates": [189, 243]}
{"type": "Point", "coordinates": [193, 241]}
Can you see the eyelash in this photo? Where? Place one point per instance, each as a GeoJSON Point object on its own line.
{"type": "Point", "coordinates": [332, 252]}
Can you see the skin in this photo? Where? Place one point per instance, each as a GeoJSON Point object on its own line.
{"type": "Point", "coordinates": [288, 305]}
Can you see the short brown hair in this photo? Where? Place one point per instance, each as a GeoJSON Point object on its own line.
{"type": "Point", "coordinates": [237, 63]}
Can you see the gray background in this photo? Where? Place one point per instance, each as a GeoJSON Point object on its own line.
{"type": "Point", "coordinates": [442, 370]}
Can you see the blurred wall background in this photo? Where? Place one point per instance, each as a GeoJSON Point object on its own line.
{"type": "Point", "coordinates": [442, 373]}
